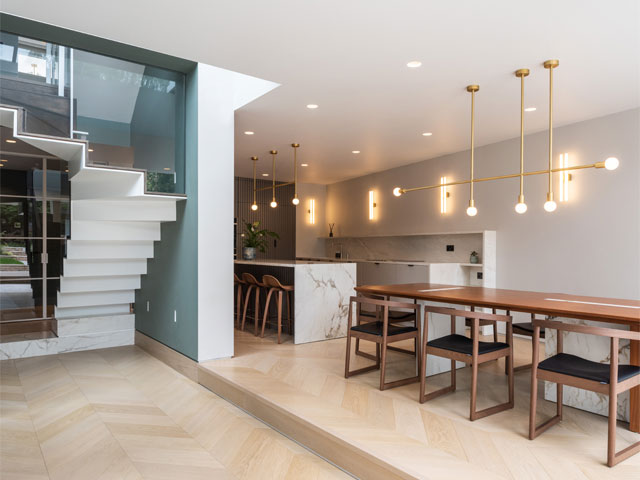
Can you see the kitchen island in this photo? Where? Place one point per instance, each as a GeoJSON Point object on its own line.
{"type": "Point", "coordinates": [321, 294]}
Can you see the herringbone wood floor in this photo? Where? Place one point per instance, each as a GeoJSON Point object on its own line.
{"type": "Point", "coordinates": [121, 414]}
{"type": "Point", "coordinates": [433, 440]}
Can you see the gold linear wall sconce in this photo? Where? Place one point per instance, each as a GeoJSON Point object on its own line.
{"type": "Point", "coordinates": [610, 163]}
{"type": "Point", "coordinates": [372, 205]}
{"type": "Point", "coordinates": [565, 178]}
{"type": "Point", "coordinates": [312, 211]}
{"type": "Point", "coordinates": [443, 195]}
{"type": "Point", "coordinates": [254, 205]}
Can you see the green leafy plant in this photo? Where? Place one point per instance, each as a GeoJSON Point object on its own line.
{"type": "Point", "coordinates": [254, 237]}
{"type": "Point", "coordinates": [474, 254]}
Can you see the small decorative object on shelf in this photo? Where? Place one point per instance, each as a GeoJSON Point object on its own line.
{"type": "Point", "coordinates": [255, 239]}
{"type": "Point", "coordinates": [474, 258]}
{"type": "Point", "coordinates": [331, 225]}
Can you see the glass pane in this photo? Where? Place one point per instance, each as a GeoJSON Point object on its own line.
{"type": "Point", "coordinates": [21, 176]}
{"type": "Point", "coordinates": [134, 115]}
{"type": "Point", "coordinates": [20, 258]}
{"type": "Point", "coordinates": [20, 217]}
{"type": "Point", "coordinates": [57, 250]}
{"type": "Point", "coordinates": [20, 299]}
{"type": "Point", "coordinates": [58, 218]}
{"type": "Point", "coordinates": [58, 184]}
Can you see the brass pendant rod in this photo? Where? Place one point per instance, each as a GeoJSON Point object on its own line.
{"type": "Point", "coordinates": [551, 64]}
{"type": "Point", "coordinates": [473, 89]}
{"type": "Point", "coordinates": [273, 176]}
{"type": "Point", "coordinates": [295, 169]}
{"type": "Point", "coordinates": [502, 177]}
{"type": "Point", "coordinates": [254, 159]}
{"type": "Point", "coordinates": [523, 72]}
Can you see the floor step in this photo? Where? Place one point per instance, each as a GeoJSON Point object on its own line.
{"type": "Point", "coordinates": [66, 300]}
{"type": "Point", "coordinates": [121, 231]}
{"type": "Point", "coordinates": [155, 210]}
{"type": "Point", "coordinates": [96, 268]}
{"type": "Point", "coordinates": [99, 284]}
{"type": "Point", "coordinates": [94, 250]}
{"type": "Point", "coordinates": [94, 310]}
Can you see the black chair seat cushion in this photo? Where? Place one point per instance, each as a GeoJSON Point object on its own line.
{"type": "Point", "coordinates": [375, 328]}
{"type": "Point", "coordinates": [575, 366]}
{"type": "Point", "coordinates": [526, 328]}
{"type": "Point", "coordinates": [462, 344]}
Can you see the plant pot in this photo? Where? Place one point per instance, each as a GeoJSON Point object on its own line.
{"type": "Point", "coordinates": [249, 253]}
{"type": "Point", "coordinates": [474, 259]}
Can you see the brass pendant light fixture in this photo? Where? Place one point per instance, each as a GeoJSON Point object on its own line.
{"type": "Point", "coordinates": [273, 203]}
{"type": "Point", "coordinates": [254, 205]}
{"type": "Point", "coordinates": [550, 205]}
{"type": "Point", "coordinates": [521, 207]}
{"type": "Point", "coordinates": [610, 163]}
{"type": "Point", "coordinates": [471, 209]}
{"type": "Point", "coordinates": [295, 200]}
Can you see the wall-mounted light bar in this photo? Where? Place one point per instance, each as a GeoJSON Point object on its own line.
{"type": "Point", "coordinates": [443, 195]}
{"type": "Point", "coordinates": [312, 211]}
{"type": "Point", "coordinates": [372, 205]}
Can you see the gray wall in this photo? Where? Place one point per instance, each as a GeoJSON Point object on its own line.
{"type": "Point", "coordinates": [281, 219]}
{"type": "Point", "coordinates": [590, 245]}
{"type": "Point", "coordinates": [171, 282]}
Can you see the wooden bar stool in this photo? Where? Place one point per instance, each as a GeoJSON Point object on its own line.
{"type": "Point", "coordinates": [382, 333]}
{"type": "Point", "coordinates": [468, 350]}
{"type": "Point", "coordinates": [274, 286]}
{"type": "Point", "coordinates": [254, 286]}
{"type": "Point", "coordinates": [395, 317]}
{"type": "Point", "coordinates": [565, 369]}
{"type": "Point", "coordinates": [239, 285]}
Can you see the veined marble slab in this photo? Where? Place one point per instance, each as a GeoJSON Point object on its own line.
{"type": "Point", "coordinates": [592, 348]}
{"type": "Point", "coordinates": [321, 298]}
{"type": "Point", "coordinates": [75, 326]}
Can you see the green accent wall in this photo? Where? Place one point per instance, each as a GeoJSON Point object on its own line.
{"type": "Point", "coordinates": [171, 282]}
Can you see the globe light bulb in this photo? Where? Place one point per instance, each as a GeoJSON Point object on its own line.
{"type": "Point", "coordinates": [254, 207]}
{"type": "Point", "coordinates": [550, 206]}
{"type": "Point", "coordinates": [273, 204]}
{"type": "Point", "coordinates": [295, 201]}
{"type": "Point", "coordinates": [472, 211]}
{"type": "Point", "coordinates": [611, 163]}
{"type": "Point", "coordinates": [521, 207]}
{"type": "Point", "coordinates": [397, 191]}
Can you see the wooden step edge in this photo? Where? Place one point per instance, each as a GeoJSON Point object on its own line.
{"type": "Point", "coordinates": [348, 457]}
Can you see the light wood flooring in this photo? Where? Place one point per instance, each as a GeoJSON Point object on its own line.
{"type": "Point", "coordinates": [122, 414]}
{"type": "Point", "coordinates": [434, 440]}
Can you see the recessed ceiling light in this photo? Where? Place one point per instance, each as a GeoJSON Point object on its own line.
{"type": "Point", "coordinates": [312, 106]}
{"type": "Point", "coordinates": [167, 169]}
{"type": "Point", "coordinates": [9, 140]}
{"type": "Point", "coordinates": [530, 109]}
{"type": "Point", "coordinates": [304, 164]}
{"type": "Point", "coordinates": [265, 174]}
{"type": "Point", "coordinates": [414, 64]}
{"type": "Point", "coordinates": [427, 134]}
{"type": "Point", "coordinates": [90, 149]}
{"type": "Point", "coordinates": [355, 151]}
{"type": "Point", "coordinates": [248, 133]}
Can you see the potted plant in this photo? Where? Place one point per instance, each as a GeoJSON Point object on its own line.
{"type": "Point", "coordinates": [474, 257]}
{"type": "Point", "coordinates": [255, 239]}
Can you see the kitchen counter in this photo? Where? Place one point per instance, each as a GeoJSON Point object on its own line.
{"type": "Point", "coordinates": [321, 294]}
{"type": "Point", "coordinates": [393, 262]}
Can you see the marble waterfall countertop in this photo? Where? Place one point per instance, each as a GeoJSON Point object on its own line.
{"type": "Point", "coordinates": [321, 296]}
{"type": "Point", "coordinates": [368, 260]}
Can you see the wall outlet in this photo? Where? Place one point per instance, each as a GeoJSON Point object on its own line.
{"type": "Point", "coordinates": [479, 275]}
{"type": "Point", "coordinates": [449, 248]}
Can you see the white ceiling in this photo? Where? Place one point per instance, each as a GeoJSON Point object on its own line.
{"type": "Point", "coordinates": [349, 57]}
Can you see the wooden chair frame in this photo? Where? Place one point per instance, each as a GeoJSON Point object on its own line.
{"type": "Point", "coordinates": [253, 285]}
{"type": "Point", "coordinates": [475, 359]}
{"type": "Point", "coordinates": [239, 284]}
{"type": "Point", "coordinates": [612, 389]}
{"type": "Point", "coordinates": [276, 287]}
{"type": "Point", "coordinates": [381, 341]}
{"type": "Point", "coordinates": [378, 318]}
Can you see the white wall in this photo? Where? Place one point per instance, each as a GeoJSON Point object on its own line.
{"type": "Point", "coordinates": [589, 246]}
{"type": "Point", "coordinates": [308, 243]}
{"type": "Point", "coordinates": [220, 92]}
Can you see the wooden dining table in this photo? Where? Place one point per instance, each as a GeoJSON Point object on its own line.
{"type": "Point", "coordinates": [606, 310]}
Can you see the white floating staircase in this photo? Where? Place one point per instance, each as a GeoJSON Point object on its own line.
{"type": "Point", "coordinates": [114, 223]}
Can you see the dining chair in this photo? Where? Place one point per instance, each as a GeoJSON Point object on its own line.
{"type": "Point", "coordinates": [382, 332]}
{"type": "Point", "coordinates": [277, 288]}
{"type": "Point", "coordinates": [253, 286]}
{"type": "Point", "coordinates": [483, 323]}
{"type": "Point", "coordinates": [468, 350]}
{"type": "Point", "coordinates": [239, 284]}
{"type": "Point", "coordinates": [567, 369]}
{"type": "Point", "coordinates": [395, 317]}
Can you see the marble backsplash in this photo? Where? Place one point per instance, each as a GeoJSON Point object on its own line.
{"type": "Point", "coordinates": [593, 348]}
{"type": "Point", "coordinates": [418, 248]}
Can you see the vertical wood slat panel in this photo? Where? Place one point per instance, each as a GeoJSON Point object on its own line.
{"type": "Point", "coordinates": [281, 219]}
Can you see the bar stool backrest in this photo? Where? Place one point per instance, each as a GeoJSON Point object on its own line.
{"type": "Point", "coordinates": [236, 279]}
{"type": "Point", "coordinates": [271, 281]}
{"type": "Point", "coordinates": [250, 279]}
